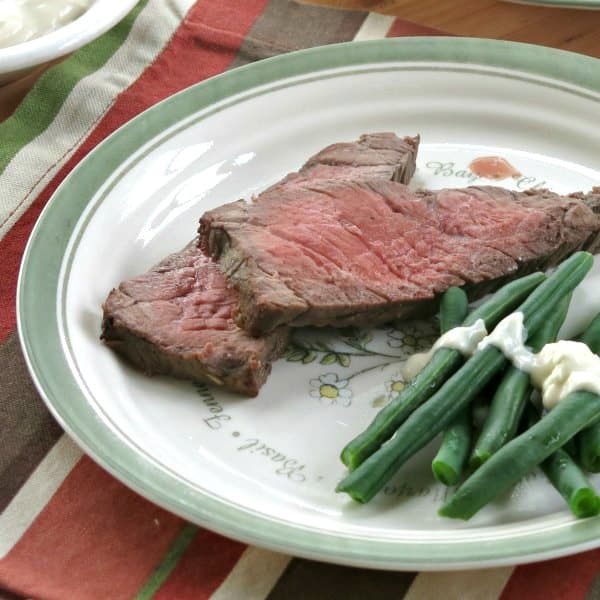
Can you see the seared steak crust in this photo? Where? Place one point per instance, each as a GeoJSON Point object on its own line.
{"type": "Point", "coordinates": [373, 156]}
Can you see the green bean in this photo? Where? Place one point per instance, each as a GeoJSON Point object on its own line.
{"type": "Point", "coordinates": [511, 396]}
{"type": "Point", "coordinates": [503, 419]}
{"type": "Point", "coordinates": [566, 476]}
{"type": "Point", "coordinates": [449, 462]}
{"type": "Point", "coordinates": [588, 441]}
{"type": "Point", "coordinates": [522, 454]}
{"type": "Point", "coordinates": [572, 484]}
{"type": "Point", "coordinates": [444, 362]}
{"type": "Point", "coordinates": [454, 307]}
{"type": "Point", "coordinates": [588, 448]}
{"type": "Point", "coordinates": [459, 390]}
{"type": "Point", "coordinates": [591, 336]}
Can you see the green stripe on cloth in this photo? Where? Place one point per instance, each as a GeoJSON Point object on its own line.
{"type": "Point", "coordinates": [168, 563]}
{"type": "Point", "coordinates": [43, 102]}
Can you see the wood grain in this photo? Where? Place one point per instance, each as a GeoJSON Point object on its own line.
{"type": "Point", "coordinates": [569, 29]}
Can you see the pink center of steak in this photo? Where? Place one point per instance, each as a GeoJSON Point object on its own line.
{"type": "Point", "coordinates": [329, 249]}
{"type": "Point", "coordinates": [184, 301]}
{"type": "Point", "coordinates": [326, 250]}
{"type": "Point", "coordinates": [177, 319]}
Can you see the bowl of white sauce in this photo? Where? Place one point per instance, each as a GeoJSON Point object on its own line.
{"type": "Point", "coordinates": [35, 32]}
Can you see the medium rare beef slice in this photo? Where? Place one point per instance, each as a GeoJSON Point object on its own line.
{"type": "Point", "coordinates": [376, 156]}
{"type": "Point", "coordinates": [361, 253]}
{"type": "Point", "coordinates": [176, 319]}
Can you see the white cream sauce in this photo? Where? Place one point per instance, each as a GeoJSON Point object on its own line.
{"type": "Point", "coordinates": [23, 20]}
{"type": "Point", "coordinates": [463, 339]}
{"type": "Point", "coordinates": [509, 337]}
{"type": "Point", "coordinates": [565, 367]}
{"type": "Point", "coordinates": [557, 370]}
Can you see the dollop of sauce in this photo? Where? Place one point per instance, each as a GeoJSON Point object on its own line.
{"type": "Point", "coordinates": [565, 367]}
{"type": "Point", "coordinates": [493, 167]}
{"type": "Point", "coordinates": [559, 369]}
{"type": "Point", "coordinates": [509, 337]}
{"type": "Point", "coordinates": [463, 339]}
{"type": "Point", "coordinates": [23, 20]}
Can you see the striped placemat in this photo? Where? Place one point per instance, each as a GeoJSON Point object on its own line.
{"type": "Point", "coordinates": [67, 528]}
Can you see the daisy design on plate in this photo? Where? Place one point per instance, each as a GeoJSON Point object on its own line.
{"type": "Point", "coordinates": [395, 385]}
{"type": "Point", "coordinates": [411, 338]}
{"type": "Point", "coordinates": [330, 389]}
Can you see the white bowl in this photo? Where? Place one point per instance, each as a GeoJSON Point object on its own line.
{"type": "Point", "coordinates": [17, 60]}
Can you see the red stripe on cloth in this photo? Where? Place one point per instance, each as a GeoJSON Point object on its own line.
{"type": "Point", "coordinates": [560, 579]}
{"type": "Point", "coordinates": [203, 46]}
{"type": "Point", "coordinates": [11, 251]}
{"type": "Point", "coordinates": [202, 569]}
{"type": "Point", "coordinates": [402, 27]}
{"type": "Point", "coordinates": [94, 539]}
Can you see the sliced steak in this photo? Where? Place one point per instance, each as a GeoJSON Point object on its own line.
{"type": "Point", "coordinates": [176, 319]}
{"type": "Point", "coordinates": [335, 253]}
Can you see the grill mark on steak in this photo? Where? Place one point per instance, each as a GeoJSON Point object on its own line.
{"type": "Point", "coordinates": [407, 247]}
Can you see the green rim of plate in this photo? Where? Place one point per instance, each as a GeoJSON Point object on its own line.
{"type": "Point", "coordinates": [42, 338]}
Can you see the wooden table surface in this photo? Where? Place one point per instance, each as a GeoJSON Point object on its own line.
{"type": "Point", "coordinates": [569, 29]}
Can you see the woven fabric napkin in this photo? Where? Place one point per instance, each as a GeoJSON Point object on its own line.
{"type": "Point", "coordinates": [67, 528]}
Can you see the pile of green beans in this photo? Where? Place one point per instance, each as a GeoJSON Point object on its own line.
{"type": "Point", "coordinates": [439, 398]}
{"type": "Point", "coordinates": [508, 403]}
{"type": "Point", "coordinates": [507, 466]}
{"type": "Point", "coordinates": [444, 363]}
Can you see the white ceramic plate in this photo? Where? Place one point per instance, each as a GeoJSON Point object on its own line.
{"type": "Point", "coordinates": [16, 60]}
{"type": "Point", "coordinates": [263, 470]}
